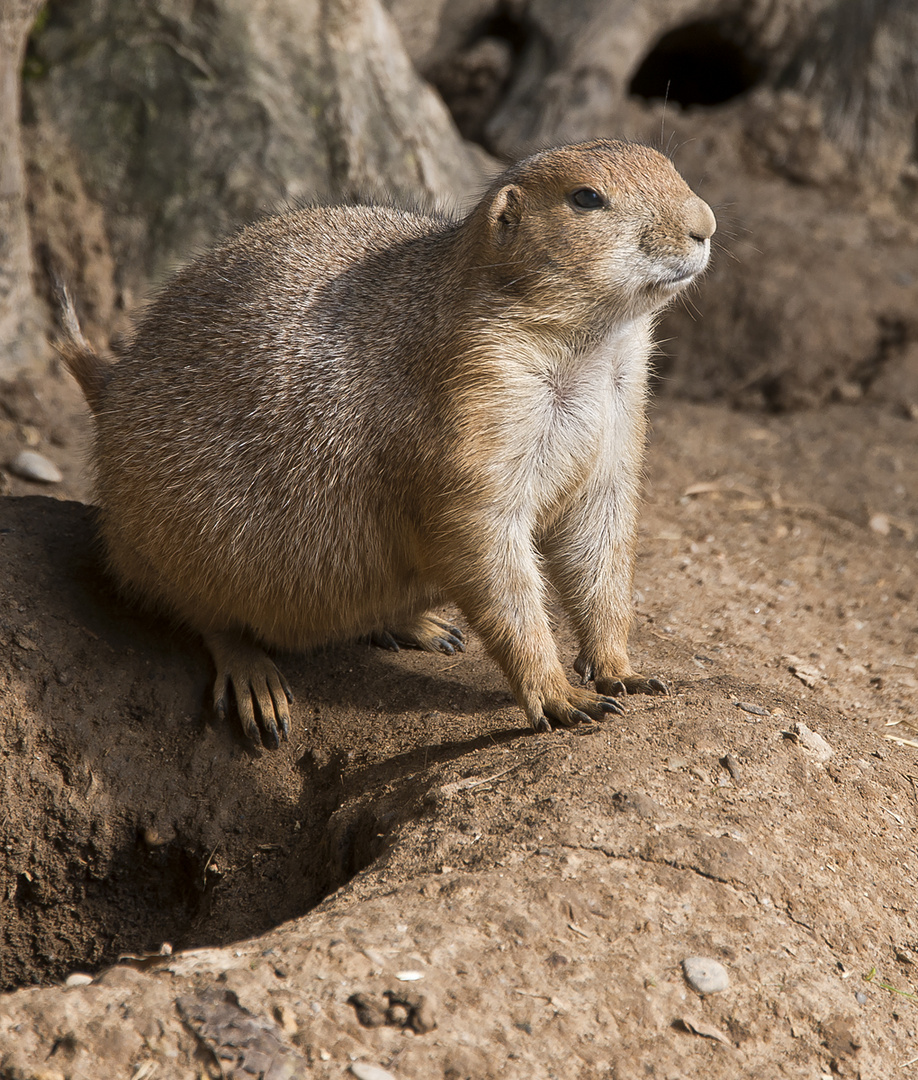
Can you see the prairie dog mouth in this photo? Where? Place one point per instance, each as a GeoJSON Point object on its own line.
{"type": "Point", "coordinates": [677, 277]}
{"type": "Point", "coordinates": [673, 279]}
{"type": "Point", "coordinates": [679, 274]}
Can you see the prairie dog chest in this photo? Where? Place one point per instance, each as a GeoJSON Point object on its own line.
{"type": "Point", "coordinates": [559, 416]}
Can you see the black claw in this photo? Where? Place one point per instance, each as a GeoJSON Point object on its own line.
{"type": "Point", "coordinates": [542, 724]}
{"type": "Point", "coordinates": [585, 670]}
{"type": "Point", "coordinates": [453, 630]}
{"type": "Point", "coordinates": [581, 717]}
{"type": "Point", "coordinates": [446, 646]}
{"type": "Point", "coordinates": [382, 639]}
{"type": "Point", "coordinates": [658, 686]}
{"type": "Point", "coordinates": [611, 705]}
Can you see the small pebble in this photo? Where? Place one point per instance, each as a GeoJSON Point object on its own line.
{"type": "Point", "coordinates": [880, 524]}
{"type": "Point", "coordinates": [730, 763]}
{"type": "Point", "coordinates": [31, 465]}
{"type": "Point", "coordinates": [365, 1070]}
{"type": "Point", "coordinates": [811, 741]}
{"type": "Point", "coordinates": [860, 997]}
{"type": "Point", "coordinates": [808, 674]}
{"type": "Point", "coordinates": [424, 1018]}
{"type": "Point", "coordinates": [152, 838]}
{"type": "Point", "coordinates": [286, 1018]}
{"type": "Point", "coordinates": [78, 978]}
{"type": "Point", "coordinates": [370, 1012]}
{"type": "Point", "coordinates": [749, 707]}
{"type": "Point", "coordinates": [409, 976]}
{"type": "Point", "coordinates": [398, 1015]}
{"type": "Point", "coordinates": [705, 975]}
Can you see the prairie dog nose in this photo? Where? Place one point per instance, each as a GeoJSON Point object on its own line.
{"type": "Point", "coordinates": [699, 219]}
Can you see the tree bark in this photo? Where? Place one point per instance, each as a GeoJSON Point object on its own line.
{"type": "Point", "coordinates": [22, 342]}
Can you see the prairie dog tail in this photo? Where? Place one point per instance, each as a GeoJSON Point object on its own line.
{"type": "Point", "coordinates": [80, 358]}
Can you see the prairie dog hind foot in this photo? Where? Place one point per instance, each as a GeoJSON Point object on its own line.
{"type": "Point", "coordinates": [258, 687]}
{"type": "Point", "coordinates": [427, 633]}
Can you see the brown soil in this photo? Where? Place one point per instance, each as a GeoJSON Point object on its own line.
{"type": "Point", "coordinates": [547, 887]}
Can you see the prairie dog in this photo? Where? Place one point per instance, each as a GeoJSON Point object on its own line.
{"type": "Point", "coordinates": [344, 415]}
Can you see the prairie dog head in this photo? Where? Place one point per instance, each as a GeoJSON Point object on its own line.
{"type": "Point", "coordinates": [600, 227]}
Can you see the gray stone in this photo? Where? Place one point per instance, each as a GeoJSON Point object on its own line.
{"type": "Point", "coordinates": [705, 975]}
{"type": "Point", "coordinates": [812, 742]}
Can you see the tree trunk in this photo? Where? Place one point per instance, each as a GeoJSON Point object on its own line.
{"type": "Point", "coordinates": [186, 120]}
{"type": "Point", "coordinates": [22, 342]}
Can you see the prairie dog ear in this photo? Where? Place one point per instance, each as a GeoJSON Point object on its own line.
{"type": "Point", "coordinates": [506, 211]}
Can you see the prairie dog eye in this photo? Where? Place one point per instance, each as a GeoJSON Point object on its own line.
{"type": "Point", "coordinates": [586, 198]}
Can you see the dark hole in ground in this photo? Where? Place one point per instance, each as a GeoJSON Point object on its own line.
{"type": "Point", "coordinates": [68, 914]}
{"type": "Point", "coordinates": [701, 63]}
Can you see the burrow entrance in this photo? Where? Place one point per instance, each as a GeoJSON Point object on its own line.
{"type": "Point", "coordinates": [702, 63]}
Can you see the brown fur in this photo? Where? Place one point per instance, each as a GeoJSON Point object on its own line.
{"type": "Point", "coordinates": [344, 415]}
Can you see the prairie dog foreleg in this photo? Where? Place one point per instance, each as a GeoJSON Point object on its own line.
{"type": "Point", "coordinates": [590, 552]}
{"type": "Point", "coordinates": [498, 584]}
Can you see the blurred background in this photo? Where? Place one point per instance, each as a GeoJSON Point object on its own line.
{"type": "Point", "coordinates": [136, 133]}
